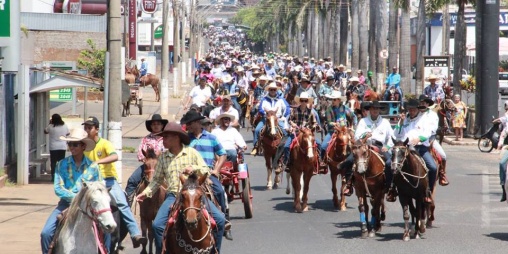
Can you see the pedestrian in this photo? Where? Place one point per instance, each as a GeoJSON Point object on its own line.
{"type": "Point", "coordinates": [57, 147]}
{"type": "Point", "coordinates": [459, 117]}
{"type": "Point", "coordinates": [178, 159]}
{"type": "Point", "coordinates": [70, 173]}
{"type": "Point", "coordinates": [104, 154]}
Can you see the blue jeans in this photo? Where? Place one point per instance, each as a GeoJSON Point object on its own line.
{"type": "Point", "coordinates": [324, 145]}
{"type": "Point", "coordinates": [159, 223]}
{"type": "Point", "coordinates": [236, 105]}
{"type": "Point", "coordinates": [219, 193]}
{"type": "Point", "coordinates": [502, 168]}
{"type": "Point", "coordinates": [289, 140]}
{"type": "Point", "coordinates": [126, 214]}
{"type": "Point", "coordinates": [48, 231]}
{"type": "Point", "coordinates": [260, 126]}
{"type": "Point", "coordinates": [134, 181]}
{"type": "Point", "coordinates": [385, 97]}
{"type": "Point", "coordinates": [231, 156]}
{"type": "Point", "coordinates": [429, 162]}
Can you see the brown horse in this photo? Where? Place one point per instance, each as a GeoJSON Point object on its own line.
{"type": "Point", "coordinates": [271, 139]}
{"type": "Point", "coordinates": [371, 95]}
{"type": "Point", "coordinates": [442, 109]}
{"type": "Point", "coordinates": [148, 79]}
{"type": "Point", "coordinates": [304, 154]}
{"type": "Point", "coordinates": [369, 182]}
{"type": "Point", "coordinates": [193, 226]}
{"type": "Point", "coordinates": [412, 183]}
{"type": "Point", "coordinates": [129, 76]}
{"type": "Point", "coordinates": [290, 97]}
{"type": "Point", "coordinates": [149, 207]}
{"type": "Point", "coordinates": [336, 153]}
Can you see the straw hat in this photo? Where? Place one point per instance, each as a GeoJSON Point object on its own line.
{"type": "Point", "coordinates": [227, 78]}
{"type": "Point", "coordinates": [304, 95]}
{"type": "Point", "coordinates": [298, 68]}
{"type": "Point", "coordinates": [305, 78]}
{"type": "Point", "coordinates": [336, 95]}
{"type": "Point", "coordinates": [232, 117]}
{"type": "Point", "coordinates": [271, 85]}
{"type": "Point", "coordinates": [354, 79]}
{"type": "Point", "coordinates": [432, 76]}
{"type": "Point", "coordinates": [264, 77]}
{"type": "Point", "coordinates": [239, 69]}
{"type": "Point", "coordinates": [79, 135]}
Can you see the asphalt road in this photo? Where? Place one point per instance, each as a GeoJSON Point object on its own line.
{"type": "Point", "coordinates": [469, 216]}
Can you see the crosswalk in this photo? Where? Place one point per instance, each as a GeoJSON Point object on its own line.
{"type": "Point", "coordinates": [494, 213]}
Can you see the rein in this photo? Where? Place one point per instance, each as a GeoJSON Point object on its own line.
{"type": "Point", "coordinates": [98, 235]}
{"type": "Point", "coordinates": [404, 174]}
{"type": "Point", "coordinates": [364, 178]}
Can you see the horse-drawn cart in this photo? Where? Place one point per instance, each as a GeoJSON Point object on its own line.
{"type": "Point", "coordinates": [231, 176]}
{"type": "Point", "coordinates": [131, 92]}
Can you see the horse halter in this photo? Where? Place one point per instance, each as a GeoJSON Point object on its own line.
{"type": "Point", "coordinates": [92, 213]}
{"type": "Point", "coordinates": [365, 160]}
{"type": "Point", "coordinates": [398, 165]}
{"type": "Point", "coordinates": [192, 191]}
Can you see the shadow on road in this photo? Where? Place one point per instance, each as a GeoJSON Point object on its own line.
{"type": "Point", "coordinates": [503, 236]}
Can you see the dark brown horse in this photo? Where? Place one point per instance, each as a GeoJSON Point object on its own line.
{"type": "Point", "coordinates": [412, 183]}
{"type": "Point", "coordinates": [304, 156]}
{"type": "Point", "coordinates": [149, 207]}
{"type": "Point", "coordinates": [442, 108]}
{"type": "Point", "coordinates": [271, 140]}
{"type": "Point", "coordinates": [290, 97]}
{"type": "Point", "coordinates": [242, 100]}
{"type": "Point", "coordinates": [193, 226]}
{"type": "Point", "coordinates": [336, 153]}
{"type": "Point", "coordinates": [369, 182]}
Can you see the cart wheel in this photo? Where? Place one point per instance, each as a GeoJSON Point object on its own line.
{"type": "Point", "coordinates": [246, 198]}
{"type": "Point", "coordinates": [485, 145]}
{"type": "Point", "coordinates": [140, 106]}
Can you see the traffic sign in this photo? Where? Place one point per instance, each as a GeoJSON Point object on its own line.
{"type": "Point", "coordinates": [383, 54]}
{"type": "Point", "coordinates": [5, 18]}
{"type": "Point", "coordinates": [62, 94]}
{"type": "Point", "coordinates": [157, 34]}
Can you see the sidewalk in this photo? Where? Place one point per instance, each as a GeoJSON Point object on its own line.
{"type": "Point", "coordinates": [466, 141]}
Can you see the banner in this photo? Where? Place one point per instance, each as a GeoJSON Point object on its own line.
{"type": "Point", "coordinates": [438, 66]}
{"type": "Point", "coordinates": [132, 29]}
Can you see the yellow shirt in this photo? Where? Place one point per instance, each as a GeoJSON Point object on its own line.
{"type": "Point", "coordinates": [170, 166]}
{"type": "Point", "coordinates": [103, 149]}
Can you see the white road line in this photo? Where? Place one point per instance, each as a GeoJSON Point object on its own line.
{"type": "Point", "coordinates": [485, 199]}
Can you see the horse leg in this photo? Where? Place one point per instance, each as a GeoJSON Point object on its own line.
{"type": "Point", "coordinates": [288, 178]}
{"type": "Point", "coordinates": [150, 239]}
{"type": "Point", "coordinates": [375, 220]}
{"type": "Point", "coordinates": [307, 175]}
{"type": "Point", "coordinates": [333, 177]}
{"type": "Point", "coordinates": [405, 214]}
{"type": "Point", "coordinates": [421, 218]}
{"type": "Point", "coordinates": [144, 229]}
{"type": "Point", "coordinates": [268, 162]}
{"type": "Point", "coordinates": [343, 185]}
{"type": "Point", "coordinates": [363, 219]}
{"type": "Point", "coordinates": [430, 213]}
{"type": "Point", "coordinates": [295, 176]}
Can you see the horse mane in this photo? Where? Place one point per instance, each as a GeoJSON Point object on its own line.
{"type": "Point", "coordinates": [191, 182]}
{"type": "Point", "coordinates": [85, 193]}
{"type": "Point", "coordinates": [150, 153]}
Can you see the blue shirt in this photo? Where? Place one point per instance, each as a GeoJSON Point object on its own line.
{"type": "Point", "coordinates": [207, 145]}
{"type": "Point", "coordinates": [143, 69]}
{"type": "Point", "coordinates": [69, 177]}
{"type": "Point", "coordinates": [393, 80]}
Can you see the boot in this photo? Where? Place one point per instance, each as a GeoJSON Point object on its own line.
{"type": "Point", "coordinates": [323, 167]}
{"type": "Point", "coordinates": [138, 240]}
{"type": "Point", "coordinates": [391, 195]}
{"type": "Point", "coordinates": [349, 186]}
{"type": "Point", "coordinates": [254, 151]}
{"type": "Point", "coordinates": [443, 181]}
{"type": "Point", "coordinates": [503, 197]}
{"type": "Point", "coordinates": [227, 230]}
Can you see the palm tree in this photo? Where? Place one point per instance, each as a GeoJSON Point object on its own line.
{"type": "Point", "coordinates": [420, 46]}
{"type": "Point", "coordinates": [363, 31]}
{"type": "Point", "coordinates": [344, 19]}
{"type": "Point", "coordinates": [372, 40]}
{"type": "Point", "coordinates": [393, 27]}
{"type": "Point", "coordinates": [405, 47]}
{"type": "Point", "coordinates": [459, 51]}
{"type": "Point", "coordinates": [355, 44]}
{"type": "Point", "coordinates": [381, 28]}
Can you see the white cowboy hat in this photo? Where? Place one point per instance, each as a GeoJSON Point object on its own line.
{"type": "Point", "coordinates": [304, 95]}
{"type": "Point", "coordinates": [264, 77]}
{"type": "Point", "coordinates": [354, 79]}
{"type": "Point", "coordinates": [239, 69]}
{"type": "Point", "coordinates": [77, 135]}
{"type": "Point", "coordinates": [254, 67]}
{"type": "Point", "coordinates": [432, 76]}
{"type": "Point", "coordinates": [217, 121]}
{"type": "Point", "coordinates": [271, 85]}
{"type": "Point", "coordinates": [298, 68]}
{"type": "Point", "coordinates": [227, 78]}
{"type": "Point", "coordinates": [336, 95]}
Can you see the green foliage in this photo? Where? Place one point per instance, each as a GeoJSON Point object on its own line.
{"type": "Point", "coordinates": [93, 60]}
{"type": "Point", "coordinates": [128, 149]}
{"type": "Point", "coordinates": [2, 171]}
{"type": "Point", "coordinates": [469, 84]}
{"type": "Point", "coordinates": [504, 65]}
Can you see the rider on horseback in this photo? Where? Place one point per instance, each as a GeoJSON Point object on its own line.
{"type": "Point", "coordinates": [300, 116]}
{"type": "Point", "coordinates": [326, 87]}
{"type": "Point", "coordinates": [392, 81]}
{"type": "Point", "coordinates": [417, 129]}
{"type": "Point", "coordinates": [226, 108]}
{"type": "Point", "coordinates": [378, 133]}
{"type": "Point", "coordinates": [356, 87]}
{"type": "Point", "coordinates": [306, 87]}
{"type": "Point", "coordinates": [433, 120]}
{"type": "Point", "coordinates": [270, 102]}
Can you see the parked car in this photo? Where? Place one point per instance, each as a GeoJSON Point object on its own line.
{"type": "Point", "coordinates": [503, 83]}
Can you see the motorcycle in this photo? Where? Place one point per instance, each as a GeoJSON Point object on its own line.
{"type": "Point", "coordinates": [488, 141]}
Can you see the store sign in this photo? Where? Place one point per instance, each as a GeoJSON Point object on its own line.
{"type": "Point", "coordinates": [159, 31]}
{"type": "Point", "coordinates": [469, 19]}
{"type": "Point", "coordinates": [133, 24]}
{"type": "Point", "coordinates": [438, 66]}
{"type": "Point", "coordinates": [62, 94]}
{"type": "Point", "coordinates": [149, 6]}
{"type": "Point", "coordinates": [5, 18]}
{"type": "Point", "coordinates": [74, 7]}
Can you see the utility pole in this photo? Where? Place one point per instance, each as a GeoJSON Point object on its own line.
{"type": "Point", "coordinates": [487, 72]}
{"type": "Point", "coordinates": [115, 88]}
{"type": "Point", "coordinates": [176, 48]}
{"type": "Point", "coordinates": [165, 60]}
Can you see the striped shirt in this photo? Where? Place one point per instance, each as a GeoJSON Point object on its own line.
{"type": "Point", "coordinates": [170, 166]}
{"type": "Point", "coordinates": [207, 145]}
{"type": "Point", "coordinates": [69, 177]}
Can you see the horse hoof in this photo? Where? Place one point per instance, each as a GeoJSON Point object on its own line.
{"type": "Point", "coordinates": [268, 187]}
{"type": "Point", "coordinates": [365, 234]}
{"type": "Point", "coordinates": [406, 238]}
{"type": "Point", "coordinates": [336, 203]}
{"type": "Point", "coordinates": [383, 216]}
{"type": "Point", "coordinates": [372, 234]}
{"type": "Point", "coordinates": [306, 209]}
{"type": "Point", "coordinates": [275, 186]}
{"type": "Point", "coordinates": [429, 223]}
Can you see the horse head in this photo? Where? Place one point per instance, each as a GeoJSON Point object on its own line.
{"type": "Point", "coordinates": [342, 140]}
{"type": "Point", "coordinates": [400, 151]}
{"type": "Point", "coordinates": [150, 163]}
{"type": "Point", "coordinates": [191, 197]}
{"type": "Point", "coordinates": [361, 153]}
{"type": "Point", "coordinates": [306, 141]}
{"type": "Point", "coordinates": [272, 122]}
{"type": "Point", "coordinates": [93, 200]}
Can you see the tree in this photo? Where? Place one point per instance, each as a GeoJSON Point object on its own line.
{"type": "Point", "coordinates": [355, 38]}
{"type": "Point", "coordinates": [459, 52]}
{"type": "Point", "coordinates": [93, 60]}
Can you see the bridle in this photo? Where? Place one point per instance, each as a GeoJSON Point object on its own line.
{"type": "Point", "coordinates": [93, 215]}
{"type": "Point", "coordinates": [199, 211]}
{"type": "Point", "coordinates": [399, 165]}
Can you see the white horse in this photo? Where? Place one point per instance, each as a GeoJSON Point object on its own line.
{"type": "Point", "coordinates": [88, 210]}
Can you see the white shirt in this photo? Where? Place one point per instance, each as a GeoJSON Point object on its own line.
{"type": "Point", "coordinates": [414, 128]}
{"type": "Point", "coordinates": [380, 128]}
{"type": "Point", "coordinates": [229, 138]}
{"type": "Point", "coordinates": [432, 120]}
{"type": "Point", "coordinates": [199, 96]}
{"type": "Point", "coordinates": [55, 132]}
{"type": "Point", "coordinates": [217, 72]}
{"type": "Point", "coordinates": [216, 112]}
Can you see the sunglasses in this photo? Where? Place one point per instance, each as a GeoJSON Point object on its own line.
{"type": "Point", "coordinates": [272, 90]}
{"type": "Point", "coordinates": [336, 99]}
{"type": "Point", "coordinates": [74, 144]}
{"type": "Point", "coordinates": [226, 118]}
{"type": "Point", "coordinates": [304, 100]}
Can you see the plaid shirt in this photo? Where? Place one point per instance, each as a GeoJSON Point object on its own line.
{"type": "Point", "coordinates": [339, 114]}
{"type": "Point", "coordinates": [170, 166]}
{"type": "Point", "coordinates": [298, 116]}
{"type": "Point", "coordinates": [150, 141]}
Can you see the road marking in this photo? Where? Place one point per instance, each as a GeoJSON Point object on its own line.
{"type": "Point", "coordinates": [485, 199]}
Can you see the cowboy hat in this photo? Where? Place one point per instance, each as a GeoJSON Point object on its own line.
{"type": "Point", "coordinates": [227, 78]}
{"type": "Point", "coordinates": [155, 117]}
{"type": "Point", "coordinates": [226, 97]}
{"type": "Point", "coordinates": [304, 95]}
{"type": "Point", "coordinates": [348, 70]}
{"type": "Point", "coordinates": [412, 103]}
{"type": "Point", "coordinates": [239, 69]}
{"type": "Point", "coordinates": [298, 68]}
{"type": "Point", "coordinates": [175, 128]}
{"type": "Point", "coordinates": [191, 116]}
{"type": "Point", "coordinates": [232, 117]}
{"type": "Point", "coordinates": [359, 71]}
{"type": "Point", "coordinates": [305, 78]}
{"type": "Point", "coordinates": [373, 104]}
{"type": "Point", "coordinates": [264, 77]}
{"type": "Point", "coordinates": [256, 72]}
{"type": "Point", "coordinates": [341, 66]}
{"type": "Point", "coordinates": [330, 78]}
{"type": "Point", "coordinates": [336, 95]}
{"type": "Point", "coordinates": [79, 135]}
{"type": "Point", "coordinates": [426, 98]}
{"type": "Point", "coordinates": [432, 76]}
{"type": "Point", "coordinates": [206, 121]}
{"type": "Point", "coordinates": [254, 67]}
{"type": "Point", "coordinates": [271, 85]}
{"type": "Point", "coordinates": [365, 105]}
{"type": "Point", "coordinates": [354, 79]}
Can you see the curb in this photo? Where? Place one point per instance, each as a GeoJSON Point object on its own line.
{"type": "Point", "coordinates": [452, 142]}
